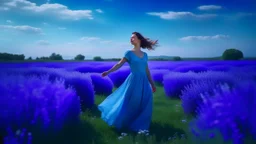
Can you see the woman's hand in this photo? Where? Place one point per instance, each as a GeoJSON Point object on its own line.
{"type": "Point", "coordinates": [153, 88]}
{"type": "Point", "coordinates": [105, 73]}
{"type": "Point", "coordinates": [114, 68]}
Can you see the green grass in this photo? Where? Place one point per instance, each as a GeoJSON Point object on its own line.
{"type": "Point", "coordinates": [166, 121]}
{"type": "Point", "coordinates": [166, 124]}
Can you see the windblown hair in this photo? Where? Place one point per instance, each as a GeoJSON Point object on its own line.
{"type": "Point", "coordinates": [146, 43]}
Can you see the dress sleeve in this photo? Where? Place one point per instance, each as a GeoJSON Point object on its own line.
{"type": "Point", "coordinates": [126, 55]}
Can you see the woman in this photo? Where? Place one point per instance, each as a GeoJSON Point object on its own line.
{"type": "Point", "coordinates": [130, 106]}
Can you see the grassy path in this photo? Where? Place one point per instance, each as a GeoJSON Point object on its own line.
{"type": "Point", "coordinates": [168, 121]}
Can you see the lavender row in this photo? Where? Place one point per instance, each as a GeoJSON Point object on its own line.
{"type": "Point", "coordinates": [81, 83]}
{"type": "Point", "coordinates": [37, 104]}
{"type": "Point", "coordinates": [153, 64]}
{"type": "Point", "coordinates": [227, 114]}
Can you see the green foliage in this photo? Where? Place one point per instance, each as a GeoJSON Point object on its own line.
{"type": "Point", "coordinates": [232, 54]}
{"type": "Point", "coordinates": [177, 58]}
{"type": "Point", "coordinates": [29, 58]}
{"type": "Point", "coordinates": [115, 59]}
{"type": "Point", "coordinates": [55, 56]}
{"type": "Point", "coordinates": [79, 57]}
{"type": "Point", "coordinates": [229, 54]}
{"type": "Point", "coordinates": [159, 59]}
{"type": "Point", "coordinates": [7, 56]}
{"type": "Point", "coordinates": [97, 58]}
{"type": "Point", "coordinates": [44, 58]}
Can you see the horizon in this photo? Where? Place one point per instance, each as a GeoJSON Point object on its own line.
{"type": "Point", "coordinates": [38, 28]}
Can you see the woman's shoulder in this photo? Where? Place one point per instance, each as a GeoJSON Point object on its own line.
{"type": "Point", "coordinates": [127, 52]}
{"type": "Point", "coordinates": [145, 53]}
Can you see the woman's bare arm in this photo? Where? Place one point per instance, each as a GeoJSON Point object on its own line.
{"type": "Point", "coordinates": [149, 76]}
{"type": "Point", "coordinates": [117, 66]}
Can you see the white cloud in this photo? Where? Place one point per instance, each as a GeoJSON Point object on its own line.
{"type": "Point", "coordinates": [170, 15]}
{"type": "Point", "coordinates": [99, 10]}
{"type": "Point", "coordinates": [43, 42]}
{"type": "Point", "coordinates": [62, 28]}
{"type": "Point", "coordinates": [209, 7]}
{"type": "Point", "coordinates": [22, 28]}
{"type": "Point", "coordinates": [9, 21]}
{"type": "Point", "coordinates": [192, 38]}
{"type": "Point", "coordinates": [99, 40]}
{"type": "Point", "coordinates": [89, 38]}
{"type": "Point", "coordinates": [4, 8]}
{"type": "Point", "coordinates": [106, 41]}
{"type": "Point", "coordinates": [57, 10]}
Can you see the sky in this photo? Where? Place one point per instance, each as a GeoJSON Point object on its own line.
{"type": "Point", "coordinates": [103, 28]}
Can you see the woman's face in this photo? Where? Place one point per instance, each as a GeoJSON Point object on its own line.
{"type": "Point", "coordinates": [134, 40]}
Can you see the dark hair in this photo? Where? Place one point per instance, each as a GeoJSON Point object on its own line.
{"type": "Point", "coordinates": [146, 43]}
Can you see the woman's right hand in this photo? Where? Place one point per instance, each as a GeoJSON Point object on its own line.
{"type": "Point", "coordinates": [153, 88]}
{"type": "Point", "coordinates": [105, 73]}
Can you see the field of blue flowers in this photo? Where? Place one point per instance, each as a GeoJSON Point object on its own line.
{"type": "Point", "coordinates": [196, 102]}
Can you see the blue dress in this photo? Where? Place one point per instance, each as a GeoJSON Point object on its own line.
{"type": "Point", "coordinates": [130, 106]}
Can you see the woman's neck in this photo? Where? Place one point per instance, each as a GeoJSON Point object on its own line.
{"type": "Point", "coordinates": [137, 48]}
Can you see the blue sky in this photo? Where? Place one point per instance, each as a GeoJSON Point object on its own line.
{"type": "Point", "coordinates": [103, 27]}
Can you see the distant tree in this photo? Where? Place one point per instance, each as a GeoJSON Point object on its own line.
{"type": "Point", "coordinates": [8, 56]}
{"type": "Point", "coordinates": [177, 58]}
{"type": "Point", "coordinates": [79, 57]}
{"type": "Point", "coordinates": [97, 58]}
{"type": "Point", "coordinates": [55, 56]}
{"type": "Point", "coordinates": [232, 54]}
{"type": "Point", "coordinates": [44, 58]}
{"type": "Point", "coordinates": [29, 58]}
{"type": "Point", "coordinates": [115, 59]}
{"type": "Point", "coordinates": [158, 59]}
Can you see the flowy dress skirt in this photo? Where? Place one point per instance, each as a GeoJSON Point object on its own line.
{"type": "Point", "coordinates": [130, 106]}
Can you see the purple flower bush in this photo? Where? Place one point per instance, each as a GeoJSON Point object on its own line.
{"type": "Point", "coordinates": [36, 103]}
{"type": "Point", "coordinates": [93, 68]}
{"type": "Point", "coordinates": [244, 73]}
{"type": "Point", "coordinates": [229, 112]}
{"type": "Point", "coordinates": [191, 94]}
{"type": "Point", "coordinates": [81, 82]}
{"type": "Point", "coordinates": [85, 68]}
{"type": "Point", "coordinates": [19, 137]}
{"type": "Point", "coordinates": [53, 73]}
{"type": "Point", "coordinates": [217, 77]}
{"type": "Point", "coordinates": [164, 65]}
{"type": "Point", "coordinates": [175, 82]}
{"type": "Point", "coordinates": [219, 68]}
{"type": "Point", "coordinates": [206, 82]}
{"type": "Point", "coordinates": [157, 75]}
{"type": "Point", "coordinates": [103, 67]}
{"type": "Point", "coordinates": [102, 85]}
{"type": "Point", "coordinates": [119, 76]}
{"type": "Point", "coordinates": [191, 67]}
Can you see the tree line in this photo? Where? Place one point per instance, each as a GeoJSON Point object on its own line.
{"type": "Point", "coordinates": [228, 54]}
